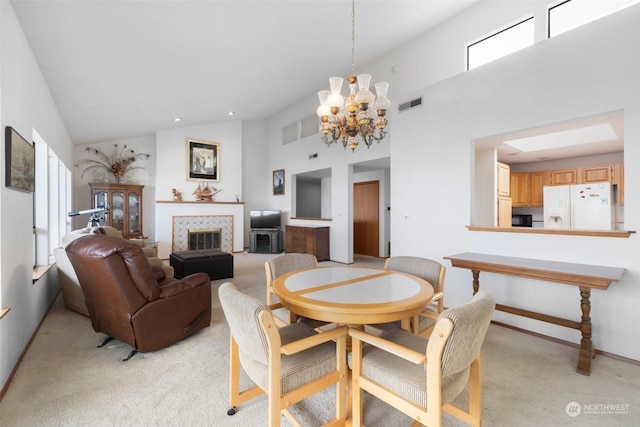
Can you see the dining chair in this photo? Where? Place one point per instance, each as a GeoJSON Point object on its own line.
{"type": "Point", "coordinates": [421, 376]}
{"type": "Point", "coordinates": [429, 270]}
{"type": "Point", "coordinates": [289, 364]}
{"type": "Point", "coordinates": [283, 264]}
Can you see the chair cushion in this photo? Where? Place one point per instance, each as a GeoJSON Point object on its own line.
{"type": "Point", "coordinates": [242, 313]}
{"type": "Point", "coordinates": [403, 377]}
{"type": "Point", "coordinates": [297, 369]}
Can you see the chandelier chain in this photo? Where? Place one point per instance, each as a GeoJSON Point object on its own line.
{"type": "Point", "coordinates": [353, 37]}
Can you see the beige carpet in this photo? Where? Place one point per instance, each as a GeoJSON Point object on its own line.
{"type": "Point", "coordinates": [65, 380]}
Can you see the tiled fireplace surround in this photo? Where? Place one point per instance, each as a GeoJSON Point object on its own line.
{"type": "Point", "coordinates": [174, 219]}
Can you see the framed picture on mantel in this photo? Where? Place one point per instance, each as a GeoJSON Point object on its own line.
{"type": "Point", "coordinates": [203, 160]}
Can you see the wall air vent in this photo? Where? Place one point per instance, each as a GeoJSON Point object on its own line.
{"type": "Point", "coordinates": [290, 133]}
{"type": "Point", "coordinates": [309, 125]}
{"type": "Point", "coordinates": [410, 104]}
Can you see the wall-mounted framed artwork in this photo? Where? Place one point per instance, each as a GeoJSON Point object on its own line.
{"type": "Point", "coordinates": [278, 182]}
{"type": "Point", "coordinates": [203, 160]}
{"type": "Point", "coordinates": [20, 158]}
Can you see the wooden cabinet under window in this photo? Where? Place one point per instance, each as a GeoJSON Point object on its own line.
{"type": "Point", "coordinates": [308, 240]}
{"type": "Point", "coordinates": [125, 206]}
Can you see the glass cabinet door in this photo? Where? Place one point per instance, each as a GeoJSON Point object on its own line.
{"type": "Point", "coordinates": [134, 213]}
{"type": "Point", "coordinates": [117, 210]}
{"type": "Point", "coordinates": [100, 200]}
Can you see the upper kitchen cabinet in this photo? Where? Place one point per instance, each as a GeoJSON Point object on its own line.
{"type": "Point", "coordinates": [124, 202]}
{"type": "Point", "coordinates": [520, 189]}
{"type": "Point", "coordinates": [618, 180]}
{"type": "Point", "coordinates": [504, 196]}
{"type": "Point", "coordinates": [564, 176]}
{"type": "Point", "coordinates": [596, 174]}
{"type": "Point", "coordinates": [504, 180]}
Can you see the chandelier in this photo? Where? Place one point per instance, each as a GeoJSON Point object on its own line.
{"type": "Point", "coordinates": [351, 120]}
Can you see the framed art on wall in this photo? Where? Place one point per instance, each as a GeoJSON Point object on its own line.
{"type": "Point", "coordinates": [20, 158]}
{"type": "Point", "coordinates": [278, 182]}
{"type": "Point", "coordinates": [203, 160]}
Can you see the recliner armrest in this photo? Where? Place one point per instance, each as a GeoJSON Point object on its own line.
{"type": "Point", "coordinates": [178, 286]}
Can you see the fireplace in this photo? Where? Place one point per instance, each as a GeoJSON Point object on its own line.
{"type": "Point", "coordinates": [204, 239]}
{"type": "Point", "coordinates": [202, 232]}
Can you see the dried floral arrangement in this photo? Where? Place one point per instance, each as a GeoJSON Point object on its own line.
{"type": "Point", "coordinates": [118, 162]}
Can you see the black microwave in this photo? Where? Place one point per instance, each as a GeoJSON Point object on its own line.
{"type": "Point", "coordinates": [522, 220]}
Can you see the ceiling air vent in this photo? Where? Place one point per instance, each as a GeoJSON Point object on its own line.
{"type": "Point", "coordinates": [410, 104]}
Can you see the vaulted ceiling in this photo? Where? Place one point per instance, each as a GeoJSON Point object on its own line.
{"type": "Point", "coordinates": [120, 69]}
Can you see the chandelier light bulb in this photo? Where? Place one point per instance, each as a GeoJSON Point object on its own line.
{"type": "Point", "coordinates": [382, 102]}
{"type": "Point", "coordinates": [324, 109]}
{"type": "Point", "coordinates": [364, 96]}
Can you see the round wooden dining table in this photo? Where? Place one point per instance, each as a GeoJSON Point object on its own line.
{"type": "Point", "coordinates": [353, 295]}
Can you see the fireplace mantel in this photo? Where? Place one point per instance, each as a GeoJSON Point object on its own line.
{"type": "Point", "coordinates": [167, 209]}
{"type": "Point", "coordinates": [199, 202]}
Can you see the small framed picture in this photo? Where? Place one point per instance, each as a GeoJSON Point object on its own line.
{"type": "Point", "coordinates": [203, 160]}
{"type": "Point", "coordinates": [20, 162]}
{"type": "Point", "coordinates": [278, 182]}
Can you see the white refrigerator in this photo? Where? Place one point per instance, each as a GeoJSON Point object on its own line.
{"type": "Point", "coordinates": [582, 206]}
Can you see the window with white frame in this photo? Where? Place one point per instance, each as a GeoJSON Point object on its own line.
{"type": "Point", "coordinates": [500, 43]}
{"type": "Point", "coordinates": [52, 201]}
{"type": "Point", "coordinates": [569, 14]}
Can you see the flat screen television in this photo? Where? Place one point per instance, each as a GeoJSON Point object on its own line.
{"type": "Point", "coordinates": [265, 219]}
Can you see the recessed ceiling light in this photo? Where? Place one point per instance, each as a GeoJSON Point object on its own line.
{"type": "Point", "coordinates": [177, 119]}
{"type": "Point", "coordinates": [231, 113]}
{"type": "Point", "coordinates": [567, 138]}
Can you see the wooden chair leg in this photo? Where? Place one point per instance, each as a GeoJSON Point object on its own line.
{"type": "Point", "coordinates": [475, 400]}
{"type": "Point", "coordinates": [356, 392]}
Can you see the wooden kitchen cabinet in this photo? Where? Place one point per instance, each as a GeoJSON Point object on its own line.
{"type": "Point", "coordinates": [618, 179]}
{"type": "Point", "coordinates": [564, 176]}
{"type": "Point", "coordinates": [520, 189]}
{"type": "Point", "coordinates": [591, 174]}
{"type": "Point", "coordinates": [308, 240]}
{"type": "Point", "coordinates": [504, 180]}
{"type": "Point", "coordinates": [538, 180]}
{"type": "Point", "coordinates": [504, 211]}
{"type": "Point", "coordinates": [125, 206]}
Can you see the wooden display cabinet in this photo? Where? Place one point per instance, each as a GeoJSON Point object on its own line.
{"type": "Point", "coordinates": [125, 206]}
{"type": "Point", "coordinates": [308, 240]}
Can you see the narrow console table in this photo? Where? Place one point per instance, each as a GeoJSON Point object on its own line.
{"type": "Point", "coordinates": [585, 276]}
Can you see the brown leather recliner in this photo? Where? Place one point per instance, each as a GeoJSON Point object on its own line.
{"type": "Point", "coordinates": [133, 303]}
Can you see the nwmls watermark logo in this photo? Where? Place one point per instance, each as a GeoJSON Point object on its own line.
{"type": "Point", "coordinates": [574, 409]}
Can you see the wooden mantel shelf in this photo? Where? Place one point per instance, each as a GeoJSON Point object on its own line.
{"type": "Point", "coordinates": [199, 202]}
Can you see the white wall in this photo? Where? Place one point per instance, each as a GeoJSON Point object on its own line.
{"type": "Point", "coordinates": [27, 105]}
{"type": "Point", "coordinates": [587, 71]}
{"type": "Point", "coordinates": [590, 70]}
{"type": "Point", "coordinates": [171, 160]}
{"type": "Point", "coordinates": [145, 176]}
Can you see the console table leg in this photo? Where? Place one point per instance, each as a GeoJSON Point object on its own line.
{"type": "Point", "coordinates": [587, 351]}
{"type": "Point", "coordinates": [476, 280]}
